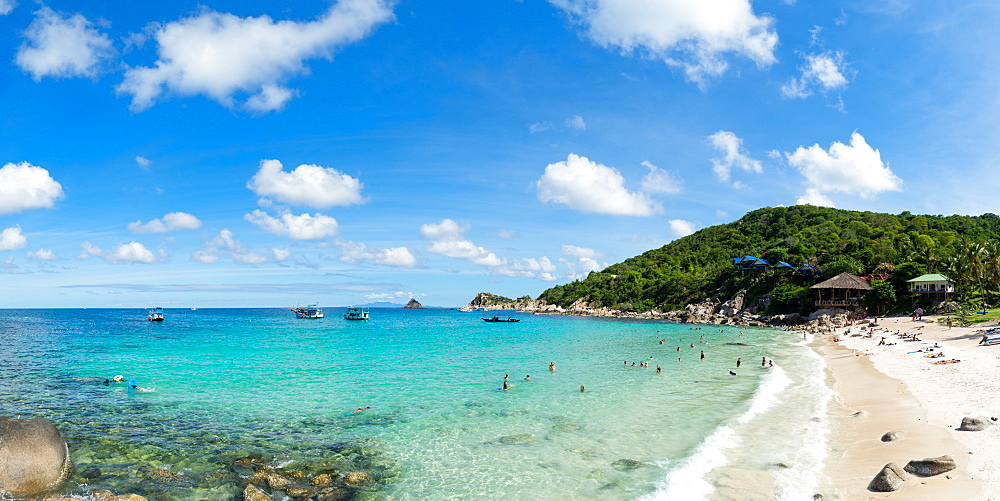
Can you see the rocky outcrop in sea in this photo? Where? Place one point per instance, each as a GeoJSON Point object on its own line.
{"type": "Point", "coordinates": [413, 305]}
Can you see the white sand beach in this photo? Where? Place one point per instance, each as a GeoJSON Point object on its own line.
{"type": "Point", "coordinates": [888, 387]}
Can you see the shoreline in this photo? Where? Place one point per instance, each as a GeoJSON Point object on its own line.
{"type": "Point", "coordinates": [882, 388]}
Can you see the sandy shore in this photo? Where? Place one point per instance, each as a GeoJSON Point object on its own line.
{"type": "Point", "coordinates": [886, 388]}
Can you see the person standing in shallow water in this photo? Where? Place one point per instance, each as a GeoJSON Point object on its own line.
{"type": "Point", "coordinates": [552, 366]}
{"type": "Point", "coordinates": [738, 362]}
{"type": "Point", "coordinates": [703, 355]}
{"type": "Point", "coordinates": [763, 361]}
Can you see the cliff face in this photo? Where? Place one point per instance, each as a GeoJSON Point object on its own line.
{"type": "Point", "coordinates": [413, 305]}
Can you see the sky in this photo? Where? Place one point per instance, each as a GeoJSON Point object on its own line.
{"type": "Point", "coordinates": [221, 153]}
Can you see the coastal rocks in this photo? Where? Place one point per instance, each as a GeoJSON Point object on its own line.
{"type": "Point", "coordinates": [33, 457]}
{"type": "Point", "coordinates": [626, 464]}
{"type": "Point", "coordinates": [890, 436]}
{"type": "Point", "coordinates": [163, 476]}
{"type": "Point", "coordinates": [413, 305]}
{"type": "Point", "coordinates": [356, 478]}
{"type": "Point", "coordinates": [976, 423]}
{"type": "Point", "coordinates": [930, 466]}
{"type": "Point", "coordinates": [253, 493]}
{"type": "Point", "coordinates": [891, 478]}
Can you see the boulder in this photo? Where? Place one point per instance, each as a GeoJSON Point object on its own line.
{"type": "Point", "coordinates": [890, 436]}
{"type": "Point", "coordinates": [253, 493]}
{"type": "Point", "coordinates": [34, 458]}
{"type": "Point", "coordinates": [891, 478]}
{"type": "Point", "coordinates": [976, 423]}
{"type": "Point", "coordinates": [321, 479]}
{"type": "Point", "coordinates": [930, 466]}
{"type": "Point", "coordinates": [355, 478]}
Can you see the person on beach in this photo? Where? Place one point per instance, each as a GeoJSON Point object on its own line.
{"type": "Point", "coordinates": [552, 366]}
{"type": "Point", "coordinates": [738, 362]}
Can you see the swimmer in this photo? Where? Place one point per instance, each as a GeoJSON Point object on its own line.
{"type": "Point", "coordinates": [117, 379]}
{"type": "Point", "coordinates": [678, 348]}
{"type": "Point", "coordinates": [360, 409]}
{"type": "Point", "coordinates": [692, 345]}
{"type": "Point", "coordinates": [582, 389]}
{"type": "Point", "coordinates": [703, 355]}
{"type": "Point", "coordinates": [552, 366]}
{"type": "Point", "coordinates": [505, 386]}
{"type": "Point", "coordinates": [527, 378]}
{"type": "Point", "coordinates": [731, 373]}
{"type": "Point", "coordinates": [134, 385]}
{"type": "Point", "coordinates": [770, 363]}
{"type": "Point", "coordinates": [505, 376]}
{"type": "Point", "coordinates": [738, 362]}
{"type": "Point", "coordinates": [658, 370]}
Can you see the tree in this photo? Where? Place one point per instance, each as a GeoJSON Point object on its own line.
{"type": "Point", "coordinates": [880, 298]}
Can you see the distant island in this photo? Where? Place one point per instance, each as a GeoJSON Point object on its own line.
{"type": "Point", "coordinates": [413, 305]}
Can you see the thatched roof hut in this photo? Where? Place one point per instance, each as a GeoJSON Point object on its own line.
{"type": "Point", "coordinates": [842, 290]}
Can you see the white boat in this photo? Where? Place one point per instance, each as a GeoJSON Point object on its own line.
{"type": "Point", "coordinates": [310, 311]}
{"type": "Point", "coordinates": [156, 314]}
{"type": "Point", "coordinates": [356, 313]}
{"type": "Point", "coordinates": [465, 309]}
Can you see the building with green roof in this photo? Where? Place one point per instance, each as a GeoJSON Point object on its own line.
{"type": "Point", "coordinates": [934, 287]}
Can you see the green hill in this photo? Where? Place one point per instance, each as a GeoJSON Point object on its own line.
{"type": "Point", "coordinates": [889, 249]}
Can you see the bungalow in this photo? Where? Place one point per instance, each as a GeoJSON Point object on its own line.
{"type": "Point", "coordinates": [844, 290]}
{"type": "Point", "coordinates": [751, 264]}
{"type": "Point", "coordinates": [808, 270]}
{"type": "Point", "coordinates": [933, 286]}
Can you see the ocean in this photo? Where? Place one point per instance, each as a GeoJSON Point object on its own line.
{"type": "Point", "coordinates": [232, 384]}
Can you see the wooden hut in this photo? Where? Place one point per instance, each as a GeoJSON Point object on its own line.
{"type": "Point", "coordinates": [844, 291]}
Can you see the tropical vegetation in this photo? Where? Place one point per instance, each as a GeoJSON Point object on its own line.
{"type": "Point", "coordinates": [887, 249]}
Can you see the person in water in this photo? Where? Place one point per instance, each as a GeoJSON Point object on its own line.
{"type": "Point", "coordinates": [552, 366]}
{"type": "Point", "coordinates": [763, 361]}
{"type": "Point", "coordinates": [703, 355]}
{"type": "Point", "coordinates": [360, 409]}
{"type": "Point", "coordinates": [527, 378]}
{"type": "Point", "coordinates": [505, 385]}
{"type": "Point", "coordinates": [731, 373]}
{"type": "Point", "coordinates": [658, 369]}
{"type": "Point", "coordinates": [134, 385]}
{"type": "Point", "coordinates": [738, 362]}
{"type": "Point", "coordinates": [582, 389]}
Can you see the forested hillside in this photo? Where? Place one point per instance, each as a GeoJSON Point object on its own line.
{"type": "Point", "coordinates": [889, 249]}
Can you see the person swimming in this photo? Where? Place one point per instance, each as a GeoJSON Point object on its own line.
{"type": "Point", "coordinates": [134, 385]}
{"type": "Point", "coordinates": [582, 389]}
{"type": "Point", "coordinates": [731, 373]}
{"type": "Point", "coordinates": [527, 378]}
{"type": "Point", "coordinates": [360, 409]}
{"type": "Point", "coordinates": [552, 366]}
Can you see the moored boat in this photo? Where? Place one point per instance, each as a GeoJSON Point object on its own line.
{"type": "Point", "coordinates": [310, 311]}
{"type": "Point", "coordinates": [156, 314]}
{"type": "Point", "coordinates": [356, 313]}
{"type": "Point", "coordinates": [498, 319]}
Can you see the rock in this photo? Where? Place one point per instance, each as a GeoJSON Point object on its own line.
{"type": "Point", "coordinates": [626, 464]}
{"type": "Point", "coordinates": [890, 436]}
{"type": "Point", "coordinates": [34, 458]}
{"type": "Point", "coordinates": [930, 466]}
{"type": "Point", "coordinates": [163, 476]}
{"type": "Point", "coordinates": [413, 305]}
{"type": "Point", "coordinates": [276, 481]}
{"type": "Point", "coordinates": [859, 414]}
{"type": "Point", "coordinates": [101, 494]}
{"type": "Point", "coordinates": [330, 494]}
{"type": "Point", "coordinates": [355, 478]}
{"type": "Point", "coordinates": [90, 473]}
{"type": "Point", "coordinates": [975, 423]}
{"type": "Point", "coordinates": [127, 497]}
{"type": "Point", "coordinates": [297, 474]}
{"type": "Point", "coordinates": [253, 493]}
{"type": "Point", "coordinates": [520, 439]}
{"type": "Point", "coordinates": [298, 492]}
{"type": "Point", "coordinates": [889, 479]}
{"type": "Point", "coordinates": [321, 479]}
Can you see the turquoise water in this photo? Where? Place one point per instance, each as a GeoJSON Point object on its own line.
{"type": "Point", "coordinates": [227, 384]}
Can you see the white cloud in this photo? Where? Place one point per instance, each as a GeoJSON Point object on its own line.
{"type": "Point", "coordinates": [309, 185]}
{"type": "Point", "coordinates": [541, 268]}
{"type": "Point", "coordinates": [587, 186]}
{"type": "Point", "coordinates": [224, 56]}
{"type": "Point", "coordinates": [396, 256]}
{"type": "Point", "coordinates": [62, 46]}
{"type": "Point", "coordinates": [659, 180]}
{"type": "Point", "coordinates": [24, 186]}
{"type": "Point", "coordinates": [579, 269]}
{"type": "Point", "coordinates": [6, 6]}
{"type": "Point", "coordinates": [12, 238]}
{"type": "Point", "coordinates": [825, 70]}
{"type": "Point", "coordinates": [280, 254]}
{"type": "Point", "coordinates": [576, 122]}
{"type": "Point", "coordinates": [393, 295]}
{"type": "Point", "coordinates": [539, 127]}
{"type": "Point", "coordinates": [132, 252]}
{"type": "Point", "coordinates": [143, 162]}
{"type": "Point", "coordinates": [581, 252]}
{"type": "Point", "coordinates": [301, 227]}
{"type": "Point", "coordinates": [681, 228]}
{"type": "Point", "coordinates": [693, 35]}
{"type": "Point", "coordinates": [224, 243]}
{"type": "Point", "coordinates": [855, 169]}
{"type": "Point", "coordinates": [812, 196]}
{"type": "Point", "coordinates": [448, 239]}
{"type": "Point", "coordinates": [733, 155]}
{"type": "Point", "coordinates": [506, 234]}
{"type": "Point", "coordinates": [89, 250]}
{"type": "Point", "coordinates": [173, 221]}
{"type": "Point", "coordinates": [42, 255]}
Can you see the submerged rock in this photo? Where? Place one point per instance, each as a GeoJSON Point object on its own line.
{"type": "Point", "coordinates": [890, 479]}
{"type": "Point", "coordinates": [627, 464]}
{"type": "Point", "coordinates": [519, 439]}
{"type": "Point", "coordinates": [34, 458]}
{"type": "Point", "coordinates": [321, 479]}
{"type": "Point", "coordinates": [931, 466]}
{"type": "Point", "coordinates": [253, 493]}
{"type": "Point", "coordinates": [357, 478]}
{"type": "Point", "coordinates": [163, 476]}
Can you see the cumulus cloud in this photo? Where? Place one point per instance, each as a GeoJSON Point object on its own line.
{"type": "Point", "coordinates": [62, 46]}
{"type": "Point", "coordinates": [694, 36]}
{"type": "Point", "coordinates": [824, 70]}
{"type": "Point", "coordinates": [812, 196]}
{"type": "Point", "coordinates": [681, 228]}
{"type": "Point", "coordinates": [6, 6]}
{"type": "Point", "coordinates": [301, 227]}
{"type": "Point", "coordinates": [24, 186]}
{"type": "Point", "coordinates": [583, 266]}
{"type": "Point", "coordinates": [732, 155]}
{"type": "Point", "coordinates": [173, 221]}
{"type": "Point", "coordinates": [280, 254]}
{"type": "Point", "coordinates": [42, 255]}
{"type": "Point", "coordinates": [448, 239]}
{"type": "Point", "coordinates": [659, 180]}
{"type": "Point", "coordinates": [351, 252]}
{"type": "Point", "coordinates": [309, 185]}
{"type": "Point", "coordinates": [541, 268]}
{"type": "Point", "coordinates": [855, 169]}
{"type": "Point", "coordinates": [224, 243]}
{"type": "Point", "coordinates": [576, 122]}
{"type": "Point", "coordinates": [581, 252]}
{"type": "Point", "coordinates": [12, 238]}
{"type": "Point", "coordinates": [587, 186]}
{"type": "Point", "coordinates": [132, 252]}
{"type": "Point", "coordinates": [226, 57]}
{"type": "Point", "coordinates": [143, 162]}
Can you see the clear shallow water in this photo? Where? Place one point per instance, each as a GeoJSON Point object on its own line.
{"type": "Point", "coordinates": [232, 383]}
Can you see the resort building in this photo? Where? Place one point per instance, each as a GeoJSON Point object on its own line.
{"type": "Point", "coordinates": [843, 291]}
{"type": "Point", "coordinates": [933, 287]}
{"type": "Point", "coordinates": [751, 264]}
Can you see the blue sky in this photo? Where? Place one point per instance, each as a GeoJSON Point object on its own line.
{"type": "Point", "coordinates": [228, 154]}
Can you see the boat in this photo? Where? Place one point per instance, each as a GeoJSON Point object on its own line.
{"type": "Point", "coordinates": [356, 313]}
{"type": "Point", "coordinates": [156, 314]}
{"type": "Point", "coordinates": [310, 311]}
{"type": "Point", "coordinates": [498, 319]}
{"type": "Point", "coordinates": [465, 309]}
